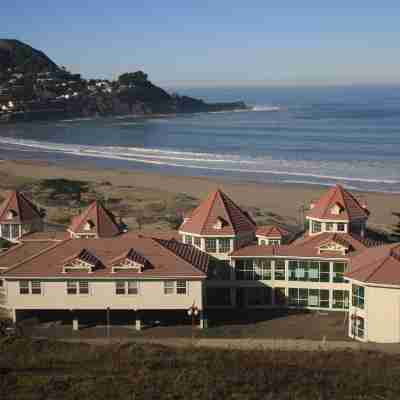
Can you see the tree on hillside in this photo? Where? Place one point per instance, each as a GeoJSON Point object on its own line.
{"type": "Point", "coordinates": [138, 78]}
{"type": "Point", "coordinates": [396, 227]}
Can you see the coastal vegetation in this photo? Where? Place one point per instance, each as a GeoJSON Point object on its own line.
{"type": "Point", "coordinates": [39, 369]}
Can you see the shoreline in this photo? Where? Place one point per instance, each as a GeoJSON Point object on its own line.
{"type": "Point", "coordinates": [283, 199]}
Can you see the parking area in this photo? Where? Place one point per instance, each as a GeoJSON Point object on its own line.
{"type": "Point", "coordinates": [285, 324]}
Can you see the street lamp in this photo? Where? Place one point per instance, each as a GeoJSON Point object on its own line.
{"type": "Point", "coordinates": [193, 312]}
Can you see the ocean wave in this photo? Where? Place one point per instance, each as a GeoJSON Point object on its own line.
{"type": "Point", "coordinates": [265, 108]}
{"type": "Point", "coordinates": [78, 119]}
{"type": "Point", "coordinates": [305, 170]}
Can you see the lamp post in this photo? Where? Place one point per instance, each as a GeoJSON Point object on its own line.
{"type": "Point", "coordinates": [193, 312]}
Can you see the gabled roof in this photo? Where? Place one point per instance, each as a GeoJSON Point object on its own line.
{"type": "Point", "coordinates": [380, 265]}
{"type": "Point", "coordinates": [100, 221]}
{"type": "Point", "coordinates": [86, 256]}
{"type": "Point", "coordinates": [350, 207]}
{"type": "Point", "coordinates": [308, 246]}
{"type": "Point", "coordinates": [20, 206]}
{"type": "Point", "coordinates": [218, 207]}
{"type": "Point", "coordinates": [271, 231]}
{"type": "Point", "coordinates": [167, 259]}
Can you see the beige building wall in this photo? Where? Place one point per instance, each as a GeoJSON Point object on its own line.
{"type": "Point", "coordinates": [102, 295]}
{"type": "Point", "coordinates": [383, 314]}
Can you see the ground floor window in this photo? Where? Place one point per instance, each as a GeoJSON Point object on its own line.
{"type": "Point", "coordinates": [197, 241]}
{"type": "Point", "coordinates": [358, 296]}
{"type": "Point", "coordinates": [340, 299]}
{"type": "Point", "coordinates": [259, 296]}
{"type": "Point", "coordinates": [30, 287]}
{"type": "Point", "coordinates": [280, 296]}
{"type": "Point", "coordinates": [175, 287]}
{"type": "Point", "coordinates": [357, 326]}
{"type": "Point", "coordinates": [127, 287]}
{"type": "Point", "coordinates": [309, 297]}
{"type": "Point", "coordinates": [77, 287]}
{"type": "Point", "coordinates": [218, 297]}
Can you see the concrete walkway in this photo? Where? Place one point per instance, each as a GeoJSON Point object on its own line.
{"type": "Point", "coordinates": [250, 344]}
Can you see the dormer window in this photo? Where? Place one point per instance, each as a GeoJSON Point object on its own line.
{"type": "Point", "coordinates": [84, 261]}
{"type": "Point", "coordinates": [131, 261]}
{"type": "Point", "coordinates": [89, 225]}
{"type": "Point", "coordinates": [11, 214]}
{"type": "Point", "coordinates": [219, 224]}
{"type": "Point", "coordinates": [336, 209]}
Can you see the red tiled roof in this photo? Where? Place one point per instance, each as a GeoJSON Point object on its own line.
{"type": "Point", "coordinates": [103, 221]}
{"type": "Point", "coordinates": [351, 208]}
{"type": "Point", "coordinates": [166, 260]}
{"type": "Point", "coordinates": [306, 247]}
{"type": "Point", "coordinates": [271, 231]}
{"type": "Point", "coordinates": [379, 265]}
{"type": "Point", "coordinates": [218, 207]}
{"type": "Point", "coordinates": [23, 209]}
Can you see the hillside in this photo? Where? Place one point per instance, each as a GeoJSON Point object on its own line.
{"type": "Point", "coordinates": [33, 87]}
{"type": "Point", "coordinates": [22, 58]}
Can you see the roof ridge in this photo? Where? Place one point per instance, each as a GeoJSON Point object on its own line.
{"type": "Point", "coordinates": [36, 255]}
{"type": "Point", "coordinates": [212, 198]}
{"type": "Point", "coordinates": [221, 194]}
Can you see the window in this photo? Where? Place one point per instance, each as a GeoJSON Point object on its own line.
{"type": "Point", "coordinates": [36, 287]}
{"type": "Point", "coordinates": [133, 287]}
{"type": "Point", "coordinates": [280, 270]}
{"type": "Point", "coordinates": [358, 296]}
{"type": "Point", "coordinates": [1, 283]}
{"type": "Point", "coordinates": [188, 239]}
{"type": "Point", "coordinates": [318, 298]}
{"type": "Point", "coordinates": [197, 241]}
{"type": "Point", "coordinates": [77, 287]}
{"type": "Point", "coordinates": [30, 287]}
{"type": "Point", "coordinates": [262, 269]}
{"type": "Point", "coordinates": [14, 231]}
{"type": "Point", "coordinates": [329, 226]}
{"type": "Point", "coordinates": [181, 287]}
{"type": "Point", "coordinates": [259, 296]}
{"type": "Point", "coordinates": [10, 231]}
{"type": "Point", "coordinates": [312, 271]}
{"type": "Point", "coordinates": [169, 287]}
{"type": "Point", "coordinates": [211, 245]}
{"type": "Point", "coordinates": [316, 226]}
{"type": "Point", "coordinates": [253, 269]}
{"type": "Point", "coordinates": [340, 299]}
{"type": "Point", "coordinates": [263, 242]}
{"type": "Point", "coordinates": [224, 245]}
{"type": "Point", "coordinates": [339, 269]}
{"type": "Point", "coordinates": [23, 287]}
{"type": "Point", "coordinates": [126, 287]}
{"type": "Point", "coordinates": [357, 326]}
{"type": "Point", "coordinates": [341, 227]}
{"type": "Point", "coordinates": [280, 295]}
{"type": "Point", "coordinates": [120, 287]}
{"type": "Point", "coordinates": [274, 242]}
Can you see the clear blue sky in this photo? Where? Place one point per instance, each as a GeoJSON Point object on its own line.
{"type": "Point", "coordinates": [215, 42]}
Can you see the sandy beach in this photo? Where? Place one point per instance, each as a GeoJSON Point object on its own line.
{"type": "Point", "coordinates": [283, 200]}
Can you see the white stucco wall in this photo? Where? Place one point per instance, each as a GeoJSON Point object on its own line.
{"type": "Point", "coordinates": [102, 295]}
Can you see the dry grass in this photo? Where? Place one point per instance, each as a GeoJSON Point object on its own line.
{"type": "Point", "coordinates": [51, 370]}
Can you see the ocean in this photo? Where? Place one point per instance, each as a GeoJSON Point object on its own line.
{"type": "Point", "coordinates": [308, 135]}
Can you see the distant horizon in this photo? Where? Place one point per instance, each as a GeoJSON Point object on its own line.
{"type": "Point", "coordinates": [221, 43]}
